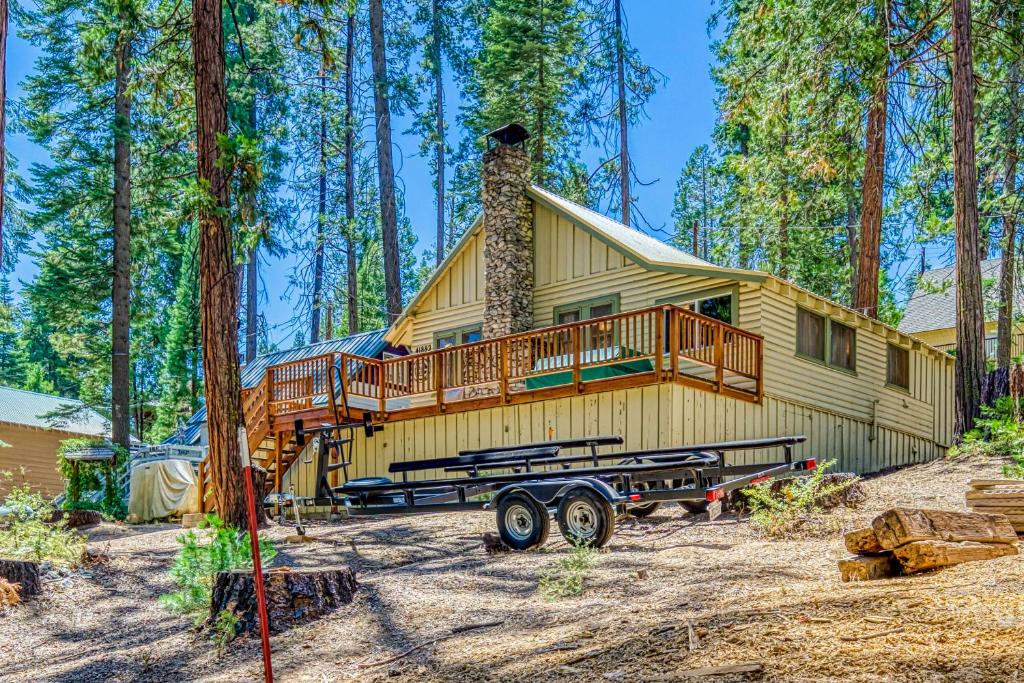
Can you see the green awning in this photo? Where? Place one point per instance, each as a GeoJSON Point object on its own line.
{"type": "Point", "coordinates": [630, 367]}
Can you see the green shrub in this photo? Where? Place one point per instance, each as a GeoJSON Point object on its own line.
{"type": "Point", "coordinates": [997, 434]}
{"type": "Point", "coordinates": [91, 476]}
{"type": "Point", "coordinates": [796, 508]}
{"type": "Point", "coordinates": [26, 534]}
{"type": "Point", "coordinates": [221, 549]}
{"type": "Point", "coordinates": [570, 573]}
{"type": "Point", "coordinates": [225, 628]}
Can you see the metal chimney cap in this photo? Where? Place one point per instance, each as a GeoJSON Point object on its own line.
{"type": "Point", "coordinates": [510, 134]}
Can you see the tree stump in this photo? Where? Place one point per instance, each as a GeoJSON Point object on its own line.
{"type": "Point", "coordinates": [293, 596]}
{"type": "Point", "coordinates": [24, 573]}
{"type": "Point", "coordinates": [76, 519]}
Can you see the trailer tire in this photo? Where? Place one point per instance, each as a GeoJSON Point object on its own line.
{"type": "Point", "coordinates": [585, 517]}
{"type": "Point", "coordinates": [695, 507]}
{"type": "Point", "coordinates": [523, 523]}
{"type": "Point", "coordinates": [641, 511]}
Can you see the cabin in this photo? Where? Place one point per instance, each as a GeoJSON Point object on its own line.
{"type": "Point", "coordinates": [548, 320]}
{"type": "Point", "coordinates": [931, 311]}
{"type": "Point", "coordinates": [33, 425]}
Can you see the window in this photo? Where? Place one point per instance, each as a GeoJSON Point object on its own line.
{"type": "Point", "coordinates": [717, 303]}
{"type": "Point", "coordinates": [810, 334]}
{"type": "Point", "coordinates": [585, 310]}
{"type": "Point", "coordinates": [842, 346]}
{"type": "Point", "coordinates": [466, 335]}
{"type": "Point", "coordinates": [898, 367]}
{"type": "Point", "coordinates": [823, 339]}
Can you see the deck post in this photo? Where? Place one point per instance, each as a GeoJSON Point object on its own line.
{"type": "Point", "coordinates": [576, 379]}
{"type": "Point", "coordinates": [382, 382]}
{"type": "Point", "coordinates": [719, 357]}
{"type": "Point", "coordinates": [659, 343]}
{"type": "Point", "coordinates": [673, 342]}
{"type": "Point", "coordinates": [439, 381]}
{"type": "Point", "coordinates": [505, 362]}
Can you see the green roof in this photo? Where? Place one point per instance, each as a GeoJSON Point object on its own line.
{"type": "Point", "coordinates": [44, 411]}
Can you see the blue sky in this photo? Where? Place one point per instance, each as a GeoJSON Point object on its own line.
{"type": "Point", "coordinates": [672, 36]}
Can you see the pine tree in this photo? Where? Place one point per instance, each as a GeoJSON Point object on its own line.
{"type": "Point", "coordinates": [13, 371]}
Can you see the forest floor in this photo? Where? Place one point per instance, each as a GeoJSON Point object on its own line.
{"type": "Point", "coordinates": [670, 593]}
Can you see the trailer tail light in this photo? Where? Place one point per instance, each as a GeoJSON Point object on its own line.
{"type": "Point", "coordinates": [758, 480]}
{"type": "Point", "coordinates": [714, 494]}
{"type": "Point", "coordinates": [635, 497]}
{"type": "Point", "coordinates": [811, 463]}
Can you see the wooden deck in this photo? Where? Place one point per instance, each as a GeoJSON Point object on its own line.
{"type": "Point", "coordinates": [631, 349]}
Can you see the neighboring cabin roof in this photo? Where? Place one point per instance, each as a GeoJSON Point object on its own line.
{"type": "Point", "coordinates": [933, 304]}
{"type": "Point", "coordinates": [648, 252]}
{"type": "Point", "coordinates": [369, 344]}
{"type": "Point", "coordinates": [29, 408]}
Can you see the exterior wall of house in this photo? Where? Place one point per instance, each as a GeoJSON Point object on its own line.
{"type": "Point", "coordinates": [945, 339]}
{"type": "Point", "coordinates": [35, 450]}
{"type": "Point", "coordinates": [924, 411]}
{"type": "Point", "coordinates": [647, 417]}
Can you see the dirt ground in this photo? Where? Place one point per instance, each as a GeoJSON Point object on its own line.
{"type": "Point", "coordinates": [670, 593]}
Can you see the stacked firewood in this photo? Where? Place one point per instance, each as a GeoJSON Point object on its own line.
{"type": "Point", "coordinates": [906, 541]}
{"type": "Point", "coordinates": [999, 496]}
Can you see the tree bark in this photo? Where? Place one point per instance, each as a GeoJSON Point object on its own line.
{"type": "Point", "coordinates": [121, 287]}
{"type": "Point", "coordinates": [24, 573]}
{"type": "Point", "coordinates": [252, 276]}
{"type": "Point", "coordinates": [970, 316]}
{"type": "Point", "coordinates": [1004, 333]}
{"type": "Point", "coordinates": [217, 286]}
{"type": "Point", "coordinates": [439, 126]}
{"type": "Point", "coordinates": [865, 298]}
{"type": "Point", "coordinates": [3, 117]}
{"type": "Point", "coordinates": [385, 164]}
{"type": "Point", "coordinates": [620, 74]}
{"type": "Point", "coordinates": [321, 213]}
{"type": "Point", "coordinates": [293, 597]}
{"type": "Point", "coordinates": [350, 179]}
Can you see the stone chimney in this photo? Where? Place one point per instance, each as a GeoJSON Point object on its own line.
{"type": "Point", "coordinates": [508, 231]}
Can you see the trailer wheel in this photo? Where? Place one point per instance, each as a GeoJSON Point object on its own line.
{"type": "Point", "coordinates": [695, 507]}
{"type": "Point", "coordinates": [522, 522]}
{"type": "Point", "coordinates": [585, 517]}
{"type": "Point", "coordinates": [643, 510]}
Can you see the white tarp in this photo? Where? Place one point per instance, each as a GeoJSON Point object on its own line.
{"type": "Point", "coordinates": [163, 488]}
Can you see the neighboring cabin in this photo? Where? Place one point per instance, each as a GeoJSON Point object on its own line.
{"type": "Point", "coordinates": [33, 425]}
{"type": "Point", "coordinates": [931, 311]}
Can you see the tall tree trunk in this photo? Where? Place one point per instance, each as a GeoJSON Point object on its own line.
{"type": "Point", "coordinates": [865, 297]}
{"type": "Point", "coordinates": [350, 178]}
{"type": "Point", "coordinates": [1004, 334]}
{"type": "Point", "coordinates": [439, 126]}
{"type": "Point", "coordinates": [970, 316]}
{"type": "Point", "coordinates": [3, 117]}
{"type": "Point", "coordinates": [385, 164]}
{"type": "Point", "coordinates": [252, 276]}
{"type": "Point", "coordinates": [321, 212]}
{"type": "Point", "coordinates": [851, 236]}
{"type": "Point", "coordinates": [217, 286]}
{"type": "Point", "coordinates": [120, 410]}
{"type": "Point", "coordinates": [620, 75]}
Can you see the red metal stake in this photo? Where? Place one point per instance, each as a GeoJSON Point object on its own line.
{"type": "Point", "coordinates": [257, 569]}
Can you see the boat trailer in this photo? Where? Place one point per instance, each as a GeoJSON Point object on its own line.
{"type": "Point", "coordinates": [526, 483]}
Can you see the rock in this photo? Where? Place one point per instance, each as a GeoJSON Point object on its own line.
{"type": "Point", "coordinates": [24, 573]}
{"type": "Point", "coordinates": [920, 556]}
{"type": "Point", "coordinates": [190, 520]}
{"type": "Point", "coordinates": [863, 542]}
{"type": "Point", "coordinates": [293, 597]}
{"type": "Point", "coordinates": [900, 526]}
{"type": "Point", "coordinates": [868, 567]}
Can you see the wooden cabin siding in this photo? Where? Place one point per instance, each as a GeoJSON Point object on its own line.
{"type": "Point", "coordinates": [863, 394]}
{"type": "Point", "coordinates": [647, 417]}
{"type": "Point", "coordinates": [35, 450]}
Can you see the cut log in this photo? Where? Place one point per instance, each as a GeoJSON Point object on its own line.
{"type": "Point", "coordinates": [293, 597]}
{"type": "Point", "coordinates": [76, 519]}
{"type": "Point", "coordinates": [920, 556]}
{"type": "Point", "coordinates": [868, 567]}
{"type": "Point", "coordinates": [991, 502]}
{"type": "Point", "coordinates": [863, 542]}
{"type": "Point", "coordinates": [900, 526]}
{"type": "Point", "coordinates": [996, 483]}
{"type": "Point", "coordinates": [24, 573]}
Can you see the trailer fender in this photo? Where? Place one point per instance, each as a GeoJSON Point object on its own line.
{"type": "Point", "coordinates": [549, 492]}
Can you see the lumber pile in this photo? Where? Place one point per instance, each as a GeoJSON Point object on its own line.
{"type": "Point", "coordinates": [907, 541]}
{"type": "Point", "coordinates": [999, 496]}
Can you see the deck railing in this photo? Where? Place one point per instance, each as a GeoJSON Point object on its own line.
{"type": "Point", "coordinates": [645, 346]}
